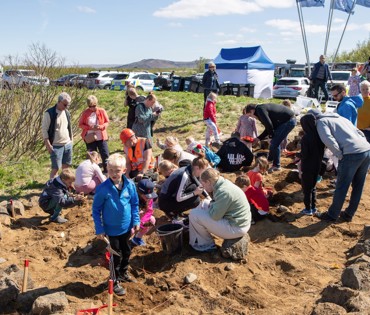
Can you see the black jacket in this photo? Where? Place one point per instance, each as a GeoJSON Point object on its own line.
{"type": "Point", "coordinates": [207, 80]}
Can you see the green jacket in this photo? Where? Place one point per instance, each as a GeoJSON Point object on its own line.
{"type": "Point", "coordinates": [229, 202]}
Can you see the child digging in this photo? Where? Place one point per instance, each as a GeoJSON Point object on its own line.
{"type": "Point", "coordinates": [56, 196]}
{"type": "Point", "coordinates": [145, 189]}
{"type": "Point", "coordinates": [115, 211]}
{"type": "Point", "coordinates": [256, 177]}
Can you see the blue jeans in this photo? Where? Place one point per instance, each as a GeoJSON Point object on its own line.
{"type": "Point", "coordinates": [61, 155]}
{"type": "Point", "coordinates": [321, 84]}
{"type": "Point", "coordinates": [280, 133]}
{"type": "Point", "coordinates": [352, 168]}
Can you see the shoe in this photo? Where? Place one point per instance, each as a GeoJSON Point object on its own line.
{"type": "Point", "coordinates": [324, 216]}
{"type": "Point", "coordinates": [126, 278]}
{"type": "Point", "coordinates": [59, 220]}
{"type": "Point", "coordinates": [253, 222]}
{"type": "Point", "coordinates": [314, 210]}
{"type": "Point", "coordinates": [274, 169]}
{"type": "Point", "coordinates": [118, 290]}
{"type": "Point", "coordinates": [216, 145]}
{"type": "Point", "coordinates": [319, 179]}
{"type": "Point", "coordinates": [184, 222]}
{"type": "Point", "coordinates": [138, 241]}
{"type": "Point", "coordinates": [307, 212]}
{"type": "Point", "coordinates": [345, 217]}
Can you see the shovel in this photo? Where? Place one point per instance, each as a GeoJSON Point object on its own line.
{"type": "Point", "coordinates": [109, 248]}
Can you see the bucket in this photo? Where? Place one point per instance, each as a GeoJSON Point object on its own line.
{"type": "Point", "coordinates": [171, 237]}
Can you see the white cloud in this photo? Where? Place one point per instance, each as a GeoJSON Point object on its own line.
{"type": "Point", "coordinates": [290, 25]}
{"type": "Point", "coordinates": [247, 30]}
{"type": "Point", "coordinates": [227, 42]}
{"type": "Point", "coordinates": [338, 20]}
{"type": "Point", "coordinates": [86, 9]}
{"type": "Point", "coordinates": [191, 9]}
{"type": "Point", "coordinates": [175, 25]}
{"type": "Point", "coordinates": [276, 3]}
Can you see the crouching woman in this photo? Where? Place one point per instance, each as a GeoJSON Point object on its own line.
{"type": "Point", "coordinates": [227, 216]}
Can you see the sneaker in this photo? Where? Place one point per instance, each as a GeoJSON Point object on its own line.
{"type": "Point", "coordinates": [306, 212]}
{"type": "Point", "coordinates": [138, 241]}
{"type": "Point", "coordinates": [118, 290]}
{"type": "Point", "coordinates": [184, 222]}
{"type": "Point", "coordinates": [126, 278]}
{"type": "Point", "coordinates": [324, 216]}
{"type": "Point", "coordinates": [274, 169]}
{"type": "Point", "coordinates": [314, 210]}
{"type": "Point", "coordinates": [345, 217]}
{"type": "Point", "coordinates": [59, 220]}
{"type": "Point", "coordinates": [319, 179]}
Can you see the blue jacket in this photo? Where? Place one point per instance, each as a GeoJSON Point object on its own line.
{"type": "Point", "coordinates": [316, 67]}
{"type": "Point", "coordinates": [347, 108]}
{"type": "Point", "coordinates": [115, 213]}
{"type": "Point", "coordinates": [212, 157]}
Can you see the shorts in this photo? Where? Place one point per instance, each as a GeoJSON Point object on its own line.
{"type": "Point", "coordinates": [61, 155]}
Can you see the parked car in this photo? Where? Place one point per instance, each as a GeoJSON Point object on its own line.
{"type": "Point", "coordinates": [21, 78]}
{"type": "Point", "coordinates": [291, 87]}
{"type": "Point", "coordinates": [118, 82]}
{"type": "Point", "coordinates": [340, 77]}
{"type": "Point", "coordinates": [142, 81]}
{"type": "Point", "coordinates": [63, 81]}
{"type": "Point", "coordinates": [78, 81]}
{"type": "Point", "coordinates": [100, 79]}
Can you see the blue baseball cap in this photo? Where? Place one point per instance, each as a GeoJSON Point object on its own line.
{"type": "Point", "coordinates": [146, 186]}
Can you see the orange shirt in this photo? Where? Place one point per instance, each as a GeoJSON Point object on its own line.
{"type": "Point", "coordinates": [363, 118]}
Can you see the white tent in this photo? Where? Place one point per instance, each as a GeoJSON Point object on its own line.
{"type": "Point", "coordinates": [246, 65]}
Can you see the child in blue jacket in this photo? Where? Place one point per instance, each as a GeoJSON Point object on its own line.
{"type": "Point", "coordinates": [115, 211]}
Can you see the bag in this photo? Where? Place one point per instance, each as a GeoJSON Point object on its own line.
{"type": "Point", "coordinates": [90, 137]}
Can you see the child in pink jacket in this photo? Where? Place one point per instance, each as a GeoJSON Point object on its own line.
{"type": "Point", "coordinates": [209, 117]}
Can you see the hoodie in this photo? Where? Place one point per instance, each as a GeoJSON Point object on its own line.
{"type": "Point", "coordinates": [339, 134]}
{"type": "Point", "coordinates": [347, 108]}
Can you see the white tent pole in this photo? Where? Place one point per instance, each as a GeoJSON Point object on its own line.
{"type": "Point", "coordinates": [328, 26]}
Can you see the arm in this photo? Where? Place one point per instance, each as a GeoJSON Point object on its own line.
{"type": "Point", "coordinates": [326, 137]}
{"type": "Point", "coordinates": [134, 201]}
{"type": "Point", "coordinates": [254, 127]}
{"type": "Point", "coordinates": [237, 128]}
{"type": "Point", "coordinates": [82, 122]}
{"type": "Point", "coordinates": [218, 206]}
{"type": "Point", "coordinates": [103, 124]}
{"type": "Point", "coordinates": [141, 115]}
{"type": "Point", "coordinates": [264, 118]}
{"type": "Point", "coordinates": [181, 196]}
{"type": "Point", "coordinates": [44, 128]}
{"type": "Point", "coordinates": [97, 211]}
{"type": "Point", "coordinates": [148, 154]}
{"type": "Point", "coordinates": [99, 173]}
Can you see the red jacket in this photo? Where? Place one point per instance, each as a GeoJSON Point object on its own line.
{"type": "Point", "coordinates": [103, 120]}
{"type": "Point", "coordinates": [210, 111]}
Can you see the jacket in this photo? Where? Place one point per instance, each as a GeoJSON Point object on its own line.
{"type": "Point", "coordinates": [136, 155]}
{"type": "Point", "coordinates": [210, 111]}
{"type": "Point", "coordinates": [143, 121]}
{"type": "Point", "coordinates": [115, 213]}
{"type": "Point", "coordinates": [103, 122]}
{"type": "Point", "coordinates": [229, 203]}
{"type": "Point", "coordinates": [53, 118]}
{"type": "Point", "coordinates": [316, 68]}
{"type": "Point", "coordinates": [347, 108]}
{"type": "Point", "coordinates": [210, 77]}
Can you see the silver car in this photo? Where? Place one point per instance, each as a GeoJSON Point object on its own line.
{"type": "Point", "coordinates": [291, 87]}
{"type": "Point", "coordinates": [100, 79]}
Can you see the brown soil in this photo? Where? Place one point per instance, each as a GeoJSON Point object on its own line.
{"type": "Point", "coordinates": [290, 260]}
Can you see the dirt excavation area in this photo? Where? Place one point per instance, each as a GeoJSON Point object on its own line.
{"type": "Point", "coordinates": [291, 259]}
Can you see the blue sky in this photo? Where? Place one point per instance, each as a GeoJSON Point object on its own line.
{"type": "Point", "coordinates": [120, 32]}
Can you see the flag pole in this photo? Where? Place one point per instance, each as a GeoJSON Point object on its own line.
{"type": "Point", "coordinates": [328, 26]}
{"type": "Point", "coordinates": [304, 37]}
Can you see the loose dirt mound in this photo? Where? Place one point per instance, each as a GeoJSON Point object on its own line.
{"type": "Point", "coordinates": [289, 263]}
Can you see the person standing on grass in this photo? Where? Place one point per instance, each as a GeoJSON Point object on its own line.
{"type": "Point", "coordinates": [132, 99]}
{"type": "Point", "coordinates": [210, 81]}
{"type": "Point", "coordinates": [57, 134]}
{"type": "Point", "coordinates": [320, 75]}
{"type": "Point", "coordinates": [209, 117]}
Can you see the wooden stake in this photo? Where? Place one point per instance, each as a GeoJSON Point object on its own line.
{"type": "Point", "coordinates": [110, 297]}
{"type": "Point", "coordinates": [25, 276]}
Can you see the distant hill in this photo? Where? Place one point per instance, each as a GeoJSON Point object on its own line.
{"type": "Point", "coordinates": [158, 64]}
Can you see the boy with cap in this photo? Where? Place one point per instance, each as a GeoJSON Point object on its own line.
{"type": "Point", "coordinates": [145, 189]}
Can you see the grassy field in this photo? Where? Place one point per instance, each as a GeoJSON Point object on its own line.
{"type": "Point", "coordinates": [182, 117]}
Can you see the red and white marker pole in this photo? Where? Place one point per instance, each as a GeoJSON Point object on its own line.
{"type": "Point", "coordinates": [25, 275]}
{"type": "Point", "coordinates": [110, 297]}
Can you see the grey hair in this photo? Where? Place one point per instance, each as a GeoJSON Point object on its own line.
{"type": "Point", "coordinates": [64, 96]}
{"type": "Point", "coordinates": [367, 83]}
{"type": "Point", "coordinates": [211, 64]}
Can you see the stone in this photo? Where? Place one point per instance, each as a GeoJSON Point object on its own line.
{"type": "Point", "coordinates": [50, 303]}
{"type": "Point", "coordinates": [2, 260]}
{"type": "Point", "coordinates": [359, 303]}
{"type": "Point", "coordinates": [328, 309]}
{"type": "Point", "coordinates": [16, 274]}
{"type": "Point", "coordinates": [4, 216]}
{"type": "Point", "coordinates": [367, 247]}
{"type": "Point", "coordinates": [18, 207]}
{"type": "Point", "coordinates": [25, 300]}
{"type": "Point", "coordinates": [190, 277]}
{"type": "Point", "coordinates": [8, 291]}
{"type": "Point", "coordinates": [358, 248]}
{"type": "Point", "coordinates": [352, 277]}
{"type": "Point", "coordinates": [229, 267]}
{"type": "Point", "coordinates": [366, 232]}
{"type": "Point", "coordinates": [338, 295]}
{"type": "Point", "coordinates": [235, 249]}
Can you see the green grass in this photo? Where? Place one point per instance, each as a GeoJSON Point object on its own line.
{"type": "Point", "coordinates": [182, 117]}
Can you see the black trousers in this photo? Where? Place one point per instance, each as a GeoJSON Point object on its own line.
{"type": "Point", "coordinates": [309, 181]}
{"type": "Point", "coordinates": [121, 244]}
{"type": "Point", "coordinates": [102, 147]}
{"type": "Point", "coordinates": [256, 216]}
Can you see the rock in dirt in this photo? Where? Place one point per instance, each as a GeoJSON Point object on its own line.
{"type": "Point", "coordinates": [229, 267]}
{"type": "Point", "coordinates": [235, 249]}
{"type": "Point", "coordinates": [18, 206]}
{"type": "Point", "coordinates": [338, 295]}
{"type": "Point", "coordinates": [50, 304]}
{"type": "Point", "coordinates": [190, 277]}
{"type": "Point", "coordinates": [366, 232]}
{"type": "Point", "coordinates": [2, 260]}
{"type": "Point", "coordinates": [25, 300]}
{"type": "Point", "coordinates": [9, 291]}
{"type": "Point", "coordinates": [328, 309]}
{"type": "Point", "coordinates": [356, 277]}
{"type": "Point", "coordinates": [4, 216]}
{"type": "Point", "coordinates": [359, 303]}
{"type": "Point", "coordinates": [13, 272]}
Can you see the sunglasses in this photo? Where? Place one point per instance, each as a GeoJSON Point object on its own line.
{"type": "Point", "coordinates": [335, 95]}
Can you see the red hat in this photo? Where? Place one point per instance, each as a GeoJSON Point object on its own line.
{"type": "Point", "coordinates": [126, 134]}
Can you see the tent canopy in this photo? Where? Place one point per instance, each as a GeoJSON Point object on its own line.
{"type": "Point", "coordinates": [247, 58]}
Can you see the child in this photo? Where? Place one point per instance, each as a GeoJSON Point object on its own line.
{"type": "Point", "coordinates": [354, 83]}
{"type": "Point", "coordinates": [209, 117]}
{"type": "Point", "coordinates": [204, 152]}
{"type": "Point", "coordinates": [166, 168]}
{"type": "Point", "coordinates": [170, 142]}
{"type": "Point", "coordinates": [115, 211]}
{"type": "Point", "coordinates": [145, 189]}
{"type": "Point", "coordinates": [191, 143]}
{"type": "Point", "coordinates": [247, 127]}
{"type": "Point", "coordinates": [257, 200]}
{"type": "Point", "coordinates": [312, 152]}
{"type": "Point", "coordinates": [255, 175]}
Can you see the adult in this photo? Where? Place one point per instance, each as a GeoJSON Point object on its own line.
{"type": "Point", "coordinates": [210, 81]}
{"type": "Point", "coordinates": [179, 158]}
{"type": "Point", "coordinates": [57, 134]}
{"type": "Point", "coordinates": [227, 216]}
{"type": "Point", "coordinates": [349, 145]}
{"type": "Point", "coordinates": [139, 154]}
{"type": "Point", "coordinates": [320, 76]}
{"type": "Point", "coordinates": [363, 121]}
{"type": "Point", "coordinates": [348, 105]}
{"type": "Point", "coordinates": [171, 74]}
{"type": "Point", "coordinates": [278, 121]}
{"type": "Point", "coordinates": [132, 99]}
{"type": "Point", "coordinates": [89, 174]}
{"type": "Point", "coordinates": [144, 116]}
{"type": "Point", "coordinates": [94, 122]}
{"type": "Point", "coordinates": [366, 70]}
{"type": "Point", "coordinates": [234, 154]}
{"type": "Point", "coordinates": [181, 190]}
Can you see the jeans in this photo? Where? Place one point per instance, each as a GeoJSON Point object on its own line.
{"type": "Point", "coordinates": [61, 155]}
{"type": "Point", "coordinates": [352, 169]}
{"type": "Point", "coordinates": [320, 84]}
{"type": "Point", "coordinates": [102, 146]}
{"type": "Point", "coordinates": [280, 133]}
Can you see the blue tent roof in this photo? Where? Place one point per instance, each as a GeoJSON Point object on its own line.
{"type": "Point", "coordinates": [243, 58]}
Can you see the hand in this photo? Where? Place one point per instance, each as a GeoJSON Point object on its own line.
{"type": "Point", "coordinates": [256, 140]}
{"type": "Point", "coordinates": [139, 177]}
{"type": "Point", "coordinates": [96, 127]}
{"type": "Point", "coordinates": [198, 191]}
{"type": "Point", "coordinates": [137, 228]}
{"type": "Point", "coordinates": [50, 148]}
{"type": "Point", "coordinates": [100, 236]}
